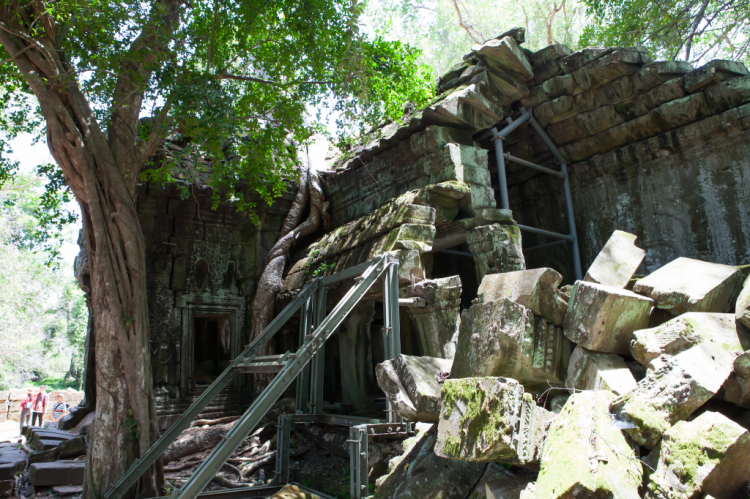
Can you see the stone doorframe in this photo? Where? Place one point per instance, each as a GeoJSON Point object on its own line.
{"type": "Point", "coordinates": [207, 305]}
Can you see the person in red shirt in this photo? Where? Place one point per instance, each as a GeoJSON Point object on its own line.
{"type": "Point", "coordinates": [39, 406]}
{"type": "Point", "coordinates": [26, 404]}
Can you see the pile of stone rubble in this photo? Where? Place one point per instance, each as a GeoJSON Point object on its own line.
{"type": "Point", "coordinates": [616, 387]}
{"type": "Point", "coordinates": [50, 462]}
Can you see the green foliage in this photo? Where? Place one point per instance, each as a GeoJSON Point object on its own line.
{"type": "Point", "coordinates": [54, 383]}
{"type": "Point", "coordinates": [134, 431]}
{"type": "Point", "coordinates": [673, 29]}
{"type": "Point", "coordinates": [43, 314]}
{"type": "Point", "coordinates": [235, 85]}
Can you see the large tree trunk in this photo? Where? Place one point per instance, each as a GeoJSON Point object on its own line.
{"type": "Point", "coordinates": [270, 281]}
{"type": "Point", "coordinates": [102, 173]}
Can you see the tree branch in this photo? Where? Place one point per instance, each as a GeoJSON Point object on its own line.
{"type": "Point", "coordinates": [696, 22]}
{"type": "Point", "coordinates": [465, 26]}
{"type": "Point", "coordinates": [148, 48]}
{"type": "Point", "coordinates": [225, 76]}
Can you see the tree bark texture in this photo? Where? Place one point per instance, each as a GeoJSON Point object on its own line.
{"type": "Point", "coordinates": [271, 280]}
{"type": "Point", "coordinates": [101, 169]}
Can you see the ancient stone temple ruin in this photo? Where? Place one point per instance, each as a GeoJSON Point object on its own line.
{"type": "Point", "coordinates": [569, 229]}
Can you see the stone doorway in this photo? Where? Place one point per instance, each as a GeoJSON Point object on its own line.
{"type": "Point", "coordinates": [212, 348]}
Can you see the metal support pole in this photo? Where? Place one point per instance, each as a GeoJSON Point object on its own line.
{"type": "Point", "coordinates": [317, 366]}
{"type": "Point", "coordinates": [391, 329]}
{"type": "Point", "coordinates": [358, 466]}
{"type": "Point", "coordinates": [302, 404]}
{"type": "Point", "coordinates": [248, 421]}
{"type": "Point", "coordinates": [283, 435]}
{"type": "Point", "coordinates": [500, 161]}
{"type": "Point", "coordinates": [543, 232]}
{"type": "Point", "coordinates": [529, 164]}
{"type": "Point", "coordinates": [568, 199]}
{"type": "Point", "coordinates": [571, 223]}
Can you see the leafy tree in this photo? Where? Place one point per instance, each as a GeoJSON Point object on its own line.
{"type": "Point", "coordinates": [232, 81]}
{"type": "Point", "coordinates": [445, 30]}
{"type": "Point", "coordinates": [37, 298]}
{"type": "Point", "coordinates": [690, 30]}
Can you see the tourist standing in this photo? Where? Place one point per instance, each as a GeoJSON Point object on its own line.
{"type": "Point", "coordinates": [59, 409]}
{"type": "Point", "coordinates": [39, 406]}
{"type": "Point", "coordinates": [26, 404]}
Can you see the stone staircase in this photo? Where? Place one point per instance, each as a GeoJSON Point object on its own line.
{"type": "Point", "coordinates": [227, 403]}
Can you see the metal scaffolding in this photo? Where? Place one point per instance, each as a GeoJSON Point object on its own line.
{"type": "Point", "coordinates": [501, 157]}
{"type": "Point", "coordinates": [305, 365]}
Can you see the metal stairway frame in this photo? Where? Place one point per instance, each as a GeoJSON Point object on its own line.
{"type": "Point", "coordinates": [501, 157]}
{"type": "Point", "coordinates": [365, 275]}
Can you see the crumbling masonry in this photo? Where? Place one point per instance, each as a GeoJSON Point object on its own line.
{"type": "Point", "coordinates": [657, 153]}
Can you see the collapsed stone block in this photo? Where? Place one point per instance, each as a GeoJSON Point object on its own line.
{"type": "Point", "coordinates": [72, 448]}
{"type": "Point", "coordinates": [672, 390]}
{"type": "Point", "coordinates": [535, 289]}
{"type": "Point", "coordinates": [12, 460]}
{"type": "Point", "coordinates": [585, 455]}
{"type": "Point", "coordinates": [506, 54]}
{"type": "Point", "coordinates": [705, 456]}
{"type": "Point", "coordinates": [499, 483]}
{"type": "Point", "coordinates": [589, 370]}
{"type": "Point", "coordinates": [617, 261]}
{"type": "Point", "coordinates": [603, 318]}
{"type": "Point", "coordinates": [714, 71]}
{"type": "Point", "coordinates": [6, 488]}
{"type": "Point", "coordinates": [57, 473]}
{"type": "Point", "coordinates": [742, 306]}
{"type": "Point", "coordinates": [496, 248]}
{"type": "Point", "coordinates": [437, 322]}
{"type": "Point", "coordinates": [687, 285]}
{"type": "Point", "coordinates": [503, 338]}
{"type": "Point", "coordinates": [490, 419]}
{"type": "Point", "coordinates": [465, 108]}
{"type": "Point", "coordinates": [737, 387]}
{"type": "Point", "coordinates": [411, 385]}
{"type": "Point", "coordinates": [420, 473]}
{"type": "Point", "coordinates": [683, 332]}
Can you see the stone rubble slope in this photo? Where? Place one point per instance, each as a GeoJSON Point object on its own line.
{"type": "Point", "coordinates": [511, 367]}
{"type": "Point", "coordinates": [663, 347]}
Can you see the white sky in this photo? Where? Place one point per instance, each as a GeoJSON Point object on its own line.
{"type": "Point", "coordinates": [29, 157]}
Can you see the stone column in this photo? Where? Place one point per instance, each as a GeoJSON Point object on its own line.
{"type": "Point", "coordinates": [438, 321]}
{"type": "Point", "coordinates": [354, 336]}
{"type": "Point", "coordinates": [496, 249]}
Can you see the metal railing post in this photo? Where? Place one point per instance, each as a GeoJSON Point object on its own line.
{"type": "Point", "coordinates": [317, 366]}
{"type": "Point", "coordinates": [358, 465]}
{"type": "Point", "coordinates": [303, 380]}
{"type": "Point", "coordinates": [500, 161]}
{"type": "Point", "coordinates": [571, 223]}
{"type": "Point", "coordinates": [283, 435]}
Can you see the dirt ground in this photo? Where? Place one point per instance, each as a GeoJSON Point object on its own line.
{"type": "Point", "coordinates": [9, 431]}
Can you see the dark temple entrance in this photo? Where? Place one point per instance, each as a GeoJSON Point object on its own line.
{"type": "Point", "coordinates": [212, 348]}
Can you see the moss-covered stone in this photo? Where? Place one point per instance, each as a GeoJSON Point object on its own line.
{"type": "Point", "coordinates": [585, 455]}
{"type": "Point", "coordinates": [503, 338]}
{"type": "Point", "coordinates": [496, 248]}
{"type": "Point", "coordinates": [673, 389]}
{"type": "Point", "coordinates": [688, 285]}
{"type": "Point", "coordinates": [683, 332]}
{"type": "Point", "coordinates": [603, 318]}
{"type": "Point", "coordinates": [490, 419]}
{"type": "Point", "coordinates": [708, 455]}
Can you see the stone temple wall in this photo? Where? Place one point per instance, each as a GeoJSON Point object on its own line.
{"type": "Point", "coordinates": [202, 265]}
{"type": "Point", "coordinates": [655, 148]}
{"type": "Point", "coordinates": [682, 192]}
